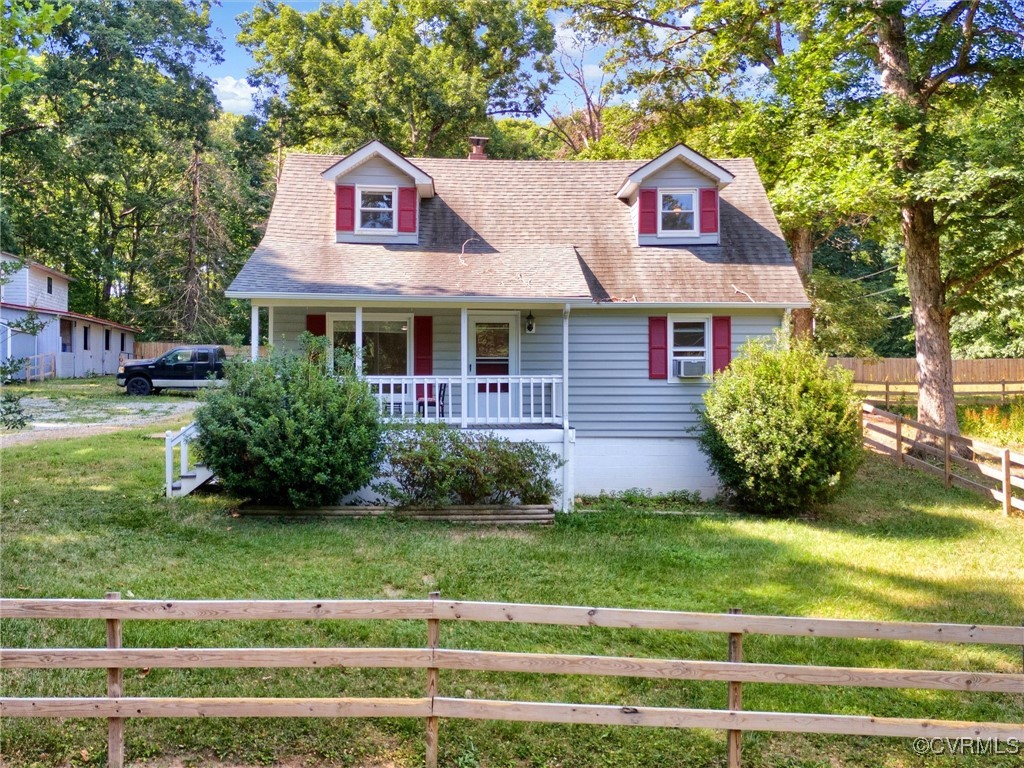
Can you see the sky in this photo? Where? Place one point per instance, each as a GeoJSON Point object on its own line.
{"type": "Point", "coordinates": [236, 95]}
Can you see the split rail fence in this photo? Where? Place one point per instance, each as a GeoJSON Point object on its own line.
{"type": "Point", "coordinates": [432, 658]}
{"type": "Point", "coordinates": [991, 470]}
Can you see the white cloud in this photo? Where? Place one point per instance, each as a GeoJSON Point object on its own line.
{"type": "Point", "coordinates": [568, 40]}
{"type": "Point", "coordinates": [235, 95]}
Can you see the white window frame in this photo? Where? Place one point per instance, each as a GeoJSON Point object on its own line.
{"type": "Point", "coordinates": [696, 212]}
{"type": "Point", "coordinates": [376, 188]}
{"type": "Point", "coordinates": [672, 320]}
{"type": "Point", "coordinates": [367, 317]}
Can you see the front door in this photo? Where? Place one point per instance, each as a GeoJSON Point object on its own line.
{"type": "Point", "coordinates": [493, 352]}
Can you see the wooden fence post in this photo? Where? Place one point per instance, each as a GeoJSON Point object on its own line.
{"type": "Point", "coordinates": [433, 641]}
{"type": "Point", "coordinates": [115, 689]}
{"type": "Point", "coordinates": [734, 738]}
{"type": "Point", "coordinates": [1003, 397]}
{"type": "Point", "coordinates": [1007, 483]}
{"type": "Point", "coordinates": [899, 440]}
{"type": "Point", "coordinates": [947, 462]}
{"type": "Point", "coordinates": [887, 395]}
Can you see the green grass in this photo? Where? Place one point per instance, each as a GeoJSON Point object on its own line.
{"type": "Point", "coordinates": [81, 517]}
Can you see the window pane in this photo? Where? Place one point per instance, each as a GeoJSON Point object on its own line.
{"type": "Point", "coordinates": [381, 200]}
{"type": "Point", "coordinates": [377, 220]}
{"type": "Point", "coordinates": [492, 340]}
{"type": "Point", "coordinates": [688, 334]}
{"type": "Point", "coordinates": [677, 201]}
{"type": "Point", "coordinates": [677, 222]}
{"type": "Point", "coordinates": [385, 345]}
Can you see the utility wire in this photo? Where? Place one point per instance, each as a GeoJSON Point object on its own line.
{"type": "Point", "coordinates": [865, 277]}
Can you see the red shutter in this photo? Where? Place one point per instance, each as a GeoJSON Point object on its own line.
{"type": "Point", "coordinates": [345, 207]}
{"type": "Point", "coordinates": [317, 324]}
{"type": "Point", "coordinates": [657, 347]}
{"type": "Point", "coordinates": [407, 200]}
{"type": "Point", "coordinates": [721, 341]}
{"type": "Point", "coordinates": [708, 211]}
{"type": "Point", "coordinates": [648, 216]}
{"type": "Point", "coordinates": [423, 351]}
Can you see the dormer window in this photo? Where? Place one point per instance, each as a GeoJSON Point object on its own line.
{"type": "Point", "coordinates": [677, 212]}
{"type": "Point", "coordinates": [376, 209]}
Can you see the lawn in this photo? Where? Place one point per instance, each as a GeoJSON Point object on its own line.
{"type": "Point", "coordinates": [81, 517]}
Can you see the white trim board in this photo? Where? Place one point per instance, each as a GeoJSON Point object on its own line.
{"type": "Point", "coordinates": [424, 182]}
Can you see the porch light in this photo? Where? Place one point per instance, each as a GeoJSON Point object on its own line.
{"type": "Point", "coordinates": [531, 324]}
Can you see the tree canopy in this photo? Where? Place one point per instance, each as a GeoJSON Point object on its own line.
{"type": "Point", "coordinates": [419, 75]}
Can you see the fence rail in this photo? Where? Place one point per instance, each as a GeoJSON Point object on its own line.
{"type": "Point", "coordinates": [432, 658]}
{"type": "Point", "coordinates": [991, 470]}
{"type": "Point", "coordinates": [41, 367]}
{"type": "Point", "coordinates": [903, 370]}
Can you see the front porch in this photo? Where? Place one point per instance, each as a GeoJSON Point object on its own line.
{"type": "Point", "coordinates": [467, 366]}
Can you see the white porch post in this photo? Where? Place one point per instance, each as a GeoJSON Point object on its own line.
{"type": "Point", "coordinates": [464, 325]}
{"type": "Point", "coordinates": [270, 325]}
{"type": "Point", "coordinates": [565, 367]}
{"type": "Point", "coordinates": [359, 341]}
{"type": "Point", "coordinates": [568, 436]}
{"type": "Point", "coordinates": [254, 332]}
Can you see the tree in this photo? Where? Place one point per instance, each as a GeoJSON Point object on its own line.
{"type": "Point", "coordinates": [916, 71]}
{"type": "Point", "coordinates": [118, 148]}
{"type": "Point", "coordinates": [419, 75]}
{"type": "Point", "coordinates": [23, 28]}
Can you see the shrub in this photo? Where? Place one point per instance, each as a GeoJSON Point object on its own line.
{"type": "Point", "coordinates": [284, 431]}
{"type": "Point", "coordinates": [782, 428]}
{"type": "Point", "coordinates": [434, 465]}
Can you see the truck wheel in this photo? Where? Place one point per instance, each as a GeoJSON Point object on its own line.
{"type": "Point", "coordinates": [138, 386]}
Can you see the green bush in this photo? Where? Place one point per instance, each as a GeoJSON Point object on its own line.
{"type": "Point", "coordinates": [434, 465]}
{"type": "Point", "coordinates": [283, 431]}
{"type": "Point", "coordinates": [782, 428]}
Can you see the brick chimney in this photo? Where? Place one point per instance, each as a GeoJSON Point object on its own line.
{"type": "Point", "coordinates": [476, 151]}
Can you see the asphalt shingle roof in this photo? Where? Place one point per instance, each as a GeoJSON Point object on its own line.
{"type": "Point", "coordinates": [535, 229]}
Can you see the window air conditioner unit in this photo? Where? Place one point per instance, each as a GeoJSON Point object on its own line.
{"type": "Point", "coordinates": [684, 369]}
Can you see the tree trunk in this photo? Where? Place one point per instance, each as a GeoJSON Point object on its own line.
{"type": "Point", "coordinates": [801, 242]}
{"type": "Point", "coordinates": [936, 405]}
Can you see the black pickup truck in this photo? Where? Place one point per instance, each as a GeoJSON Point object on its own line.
{"type": "Point", "coordinates": [181, 368]}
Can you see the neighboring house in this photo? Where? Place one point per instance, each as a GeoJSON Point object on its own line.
{"type": "Point", "coordinates": [71, 343]}
{"type": "Point", "coordinates": [580, 304]}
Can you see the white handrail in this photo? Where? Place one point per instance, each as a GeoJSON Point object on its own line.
{"type": "Point", "coordinates": [488, 400]}
{"type": "Point", "coordinates": [183, 437]}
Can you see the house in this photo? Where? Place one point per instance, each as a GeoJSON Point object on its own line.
{"type": "Point", "coordinates": [579, 304]}
{"type": "Point", "coordinates": [70, 344]}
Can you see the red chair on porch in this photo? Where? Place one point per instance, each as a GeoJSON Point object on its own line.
{"type": "Point", "coordinates": [426, 400]}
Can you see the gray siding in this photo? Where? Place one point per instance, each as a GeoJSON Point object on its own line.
{"type": "Point", "coordinates": [610, 394]}
{"type": "Point", "coordinates": [378, 172]}
{"type": "Point", "coordinates": [676, 175]}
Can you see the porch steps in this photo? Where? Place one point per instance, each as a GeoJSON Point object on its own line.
{"type": "Point", "coordinates": [200, 475]}
{"type": "Point", "coordinates": [473, 515]}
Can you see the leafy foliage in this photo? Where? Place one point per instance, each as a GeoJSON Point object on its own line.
{"type": "Point", "coordinates": [417, 75]}
{"type": "Point", "coordinates": [434, 465]}
{"type": "Point", "coordinates": [116, 150]}
{"type": "Point", "coordinates": [782, 429]}
{"type": "Point", "coordinates": [12, 415]}
{"type": "Point", "coordinates": [284, 431]}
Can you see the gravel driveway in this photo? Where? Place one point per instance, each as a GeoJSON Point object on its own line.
{"type": "Point", "coordinates": [54, 418]}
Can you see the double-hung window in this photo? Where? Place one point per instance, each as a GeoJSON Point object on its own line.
{"type": "Point", "coordinates": [376, 209]}
{"type": "Point", "coordinates": [689, 353]}
{"type": "Point", "coordinates": [677, 212]}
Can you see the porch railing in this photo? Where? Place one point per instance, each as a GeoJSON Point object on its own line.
{"type": "Point", "coordinates": [473, 401]}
